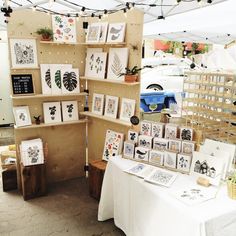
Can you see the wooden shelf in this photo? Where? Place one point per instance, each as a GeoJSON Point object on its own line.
{"type": "Point", "coordinates": [58, 43]}
{"type": "Point", "coordinates": [43, 125]}
{"type": "Point", "coordinates": [26, 68]}
{"type": "Point", "coordinates": [36, 96]}
{"type": "Point", "coordinates": [117, 121]}
{"type": "Point", "coordinates": [104, 44]}
{"type": "Point", "coordinates": [109, 81]}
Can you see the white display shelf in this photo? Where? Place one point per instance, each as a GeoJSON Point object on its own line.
{"type": "Point", "coordinates": [26, 68]}
{"type": "Point", "coordinates": [109, 81]}
{"type": "Point", "coordinates": [117, 121]}
{"type": "Point", "coordinates": [43, 125]}
{"type": "Point", "coordinates": [42, 96]}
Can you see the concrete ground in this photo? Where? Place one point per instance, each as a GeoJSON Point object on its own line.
{"type": "Point", "coordinates": [66, 210]}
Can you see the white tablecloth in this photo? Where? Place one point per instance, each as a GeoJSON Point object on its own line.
{"type": "Point", "coordinates": [143, 209]}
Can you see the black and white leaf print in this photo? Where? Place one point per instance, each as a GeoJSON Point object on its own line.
{"type": "Point", "coordinates": [48, 78]}
{"type": "Point", "coordinates": [58, 78]}
{"type": "Point", "coordinates": [114, 30]}
{"type": "Point", "coordinates": [70, 81]}
{"type": "Point", "coordinates": [116, 66]}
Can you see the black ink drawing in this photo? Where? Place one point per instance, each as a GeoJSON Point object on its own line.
{"type": "Point", "coordinates": [170, 132]}
{"type": "Point", "coordinates": [188, 147]}
{"type": "Point", "coordinates": [145, 141]}
{"type": "Point", "coordinates": [70, 81]}
{"type": "Point", "coordinates": [52, 112]}
{"type": "Point", "coordinates": [141, 153]}
{"type": "Point", "coordinates": [157, 130]}
{"type": "Point", "coordinates": [160, 144]}
{"type": "Point", "coordinates": [133, 136]}
{"type": "Point", "coordinates": [22, 116]}
{"type": "Point", "coordinates": [183, 162]}
{"type": "Point", "coordinates": [70, 108]}
{"type": "Point", "coordinates": [48, 78]}
{"type": "Point", "coordinates": [186, 134]}
{"type": "Point", "coordinates": [192, 194]}
{"type": "Point", "coordinates": [24, 53]}
{"type": "Point", "coordinates": [33, 154]}
{"type": "Point", "coordinates": [136, 169]}
{"type": "Point", "coordinates": [205, 169]}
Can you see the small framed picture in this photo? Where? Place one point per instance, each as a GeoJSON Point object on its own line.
{"type": "Point", "coordinates": [186, 133]}
{"type": "Point", "coordinates": [160, 144]}
{"type": "Point", "coordinates": [133, 136]}
{"type": "Point", "coordinates": [52, 112]}
{"type": "Point", "coordinates": [184, 162]}
{"type": "Point", "coordinates": [141, 154]}
{"type": "Point", "coordinates": [93, 33]}
{"type": "Point", "coordinates": [170, 159]}
{"type": "Point", "coordinates": [158, 130]}
{"type": "Point", "coordinates": [103, 32]}
{"type": "Point", "coordinates": [22, 116]}
{"type": "Point", "coordinates": [127, 109]}
{"type": "Point", "coordinates": [111, 107]}
{"type": "Point", "coordinates": [175, 145]}
{"type": "Point", "coordinates": [129, 149]}
{"type": "Point", "coordinates": [70, 81]}
{"type": "Point", "coordinates": [116, 32]}
{"type": "Point", "coordinates": [188, 147]}
{"type": "Point", "coordinates": [146, 128]}
{"type": "Point", "coordinates": [98, 103]}
{"type": "Point", "coordinates": [145, 141]}
{"type": "Point", "coordinates": [70, 110]}
{"type": "Point", "coordinates": [156, 157]}
{"type": "Point", "coordinates": [171, 131]}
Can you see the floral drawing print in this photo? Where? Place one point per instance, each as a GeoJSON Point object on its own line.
{"type": "Point", "coordinates": [137, 168]}
{"type": "Point", "coordinates": [52, 112]}
{"type": "Point", "coordinates": [24, 53]}
{"type": "Point", "coordinates": [70, 108]}
{"type": "Point", "coordinates": [93, 33]}
{"type": "Point", "coordinates": [33, 154]}
{"type": "Point", "coordinates": [156, 131]}
{"type": "Point", "coordinates": [156, 157]}
{"type": "Point", "coordinates": [186, 134]}
{"type": "Point", "coordinates": [146, 128]}
{"type": "Point", "coordinates": [187, 147]}
{"type": "Point", "coordinates": [98, 104]}
{"type": "Point", "coordinates": [22, 116]}
{"type": "Point", "coordinates": [70, 81]}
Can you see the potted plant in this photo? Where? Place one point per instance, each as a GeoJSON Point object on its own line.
{"type": "Point", "coordinates": [37, 120]}
{"type": "Point", "coordinates": [231, 184]}
{"type": "Point", "coordinates": [46, 33]}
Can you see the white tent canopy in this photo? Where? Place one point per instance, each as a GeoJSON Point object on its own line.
{"type": "Point", "coordinates": [215, 24]}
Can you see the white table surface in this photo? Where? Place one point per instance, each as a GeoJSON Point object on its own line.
{"type": "Point", "coordinates": [143, 209]}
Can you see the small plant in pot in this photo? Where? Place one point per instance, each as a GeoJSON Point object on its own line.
{"type": "Point", "coordinates": [37, 120]}
{"type": "Point", "coordinates": [46, 33]}
{"type": "Point", "coordinates": [231, 184]}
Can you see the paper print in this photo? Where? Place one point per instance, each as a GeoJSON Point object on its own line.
{"type": "Point", "coordinates": [46, 79]}
{"type": "Point", "coordinates": [184, 162]}
{"type": "Point", "coordinates": [116, 32]}
{"type": "Point", "coordinates": [146, 128]}
{"type": "Point", "coordinates": [103, 32]}
{"type": "Point", "coordinates": [133, 136]}
{"type": "Point", "coordinates": [64, 29]}
{"type": "Point", "coordinates": [170, 159]}
{"type": "Point", "coordinates": [111, 106]}
{"type": "Point", "coordinates": [98, 103]}
{"type": "Point", "coordinates": [186, 133]}
{"type": "Point", "coordinates": [145, 141]}
{"type": "Point", "coordinates": [70, 81]}
{"type": "Point", "coordinates": [93, 34]}
{"type": "Point", "coordinates": [156, 157]}
{"type": "Point", "coordinates": [157, 130]}
{"type": "Point", "coordinates": [141, 170]}
{"type": "Point", "coordinates": [141, 153]}
{"type": "Point", "coordinates": [70, 110]}
{"type": "Point", "coordinates": [174, 145]}
{"type": "Point", "coordinates": [188, 147]}
{"type": "Point", "coordinates": [160, 144]}
{"type": "Point", "coordinates": [23, 53]}
{"type": "Point", "coordinates": [22, 116]}
{"type": "Point", "coordinates": [129, 149]}
{"type": "Point", "coordinates": [171, 131]}
{"type": "Point", "coordinates": [127, 109]}
{"type": "Point", "coordinates": [52, 112]}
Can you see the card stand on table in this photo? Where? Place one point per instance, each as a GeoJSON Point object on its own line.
{"type": "Point", "coordinates": [33, 178]}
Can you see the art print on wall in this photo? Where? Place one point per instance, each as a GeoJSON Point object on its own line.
{"type": "Point", "coordinates": [186, 133]}
{"type": "Point", "coordinates": [111, 106]}
{"type": "Point", "coordinates": [146, 128]}
{"type": "Point", "coordinates": [174, 145]}
{"type": "Point", "coordinates": [160, 144]}
{"type": "Point", "coordinates": [46, 81]}
{"type": "Point", "coordinates": [98, 104]}
{"type": "Point", "coordinates": [116, 32]}
{"type": "Point", "coordinates": [64, 29]}
{"type": "Point", "coordinates": [93, 33]}
{"type": "Point", "coordinates": [133, 136]}
{"type": "Point", "coordinates": [70, 81]}
{"type": "Point", "coordinates": [161, 177]}
{"type": "Point", "coordinates": [23, 53]}
{"type": "Point", "coordinates": [113, 144]}
{"type": "Point", "coordinates": [70, 110]}
{"type": "Point", "coordinates": [145, 141]}
{"type": "Point", "coordinates": [170, 159]}
{"type": "Point", "coordinates": [128, 149]}
{"type": "Point", "coordinates": [117, 62]}
{"type": "Point", "coordinates": [156, 157]}
{"type": "Point", "coordinates": [157, 130]}
{"type": "Point", "coordinates": [96, 65]}
{"type": "Point", "coordinates": [188, 147]}
{"type": "Point", "coordinates": [32, 152]}
{"type": "Point", "coordinates": [127, 109]}
{"type": "Point", "coordinates": [22, 116]}
{"type": "Point", "coordinates": [52, 112]}
{"type": "Point", "coordinates": [208, 167]}
{"type": "Point", "coordinates": [171, 131]}
{"type": "Point", "coordinates": [103, 32]}
{"type": "Point", "coordinates": [141, 153]}
{"type": "Point", "coordinates": [184, 162]}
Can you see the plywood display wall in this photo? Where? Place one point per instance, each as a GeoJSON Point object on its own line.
{"type": "Point", "coordinates": [67, 143]}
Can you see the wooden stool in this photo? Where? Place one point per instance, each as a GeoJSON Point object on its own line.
{"type": "Point", "coordinates": [96, 173]}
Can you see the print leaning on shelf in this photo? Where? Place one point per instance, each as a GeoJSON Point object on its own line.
{"type": "Point", "coordinates": [184, 162]}
{"type": "Point", "coordinates": [188, 147]}
{"type": "Point", "coordinates": [70, 110]}
{"type": "Point", "coordinates": [186, 133]}
{"type": "Point", "coordinates": [174, 145]}
{"type": "Point", "coordinates": [128, 149]}
{"type": "Point", "coordinates": [93, 34]}
{"type": "Point", "coordinates": [22, 116]}
{"type": "Point", "coordinates": [113, 144]}
{"type": "Point", "coordinates": [116, 32]}
{"type": "Point", "coordinates": [146, 127]}
{"type": "Point", "coordinates": [156, 157]}
{"type": "Point", "coordinates": [160, 144]}
{"type": "Point", "coordinates": [127, 109]}
{"type": "Point", "coordinates": [171, 131]}
{"type": "Point", "coordinates": [141, 153]}
{"type": "Point", "coordinates": [140, 170]}
{"type": "Point", "coordinates": [70, 81]}
{"type": "Point", "coordinates": [111, 107]}
{"type": "Point", "coordinates": [98, 103]}
{"type": "Point", "coordinates": [170, 159]}
{"type": "Point", "coordinates": [46, 79]}
{"type": "Point", "coordinates": [103, 32]}
{"type": "Point", "coordinates": [23, 53]}
{"type": "Point", "coordinates": [52, 112]}
{"type": "Point", "coordinates": [145, 141]}
{"type": "Point", "coordinates": [133, 136]}
{"type": "Point", "coordinates": [157, 129]}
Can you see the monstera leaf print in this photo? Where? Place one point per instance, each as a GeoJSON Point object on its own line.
{"type": "Point", "coordinates": [48, 78]}
{"type": "Point", "coordinates": [70, 81]}
{"type": "Point", "coordinates": [116, 66]}
{"type": "Point", "coordinates": [58, 78]}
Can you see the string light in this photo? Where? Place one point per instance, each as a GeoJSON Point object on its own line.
{"type": "Point", "coordinates": [125, 12]}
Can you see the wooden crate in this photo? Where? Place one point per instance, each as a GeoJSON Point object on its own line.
{"type": "Point", "coordinates": [9, 179]}
{"type": "Point", "coordinates": [96, 173]}
{"type": "Point", "coordinates": [33, 179]}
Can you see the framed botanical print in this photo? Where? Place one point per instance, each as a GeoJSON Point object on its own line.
{"type": "Point", "coordinates": [23, 53]}
{"type": "Point", "coordinates": [70, 110]}
{"type": "Point", "coordinates": [133, 136]}
{"type": "Point", "coordinates": [128, 149]}
{"type": "Point", "coordinates": [22, 116]}
{"type": "Point", "coordinates": [160, 144]}
{"type": "Point", "coordinates": [175, 145]}
{"type": "Point", "coordinates": [188, 147]}
{"type": "Point", "coordinates": [93, 34]}
{"type": "Point", "coordinates": [186, 133]}
{"type": "Point", "coordinates": [103, 32]}
{"type": "Point", "coordinates": [156, 157]}
{"type": "Point", "coordinates": [127, 109]}
{"type": "Point", "coordinates": [146, 128]}
{"type": "Point", "coordinates": [145, 141]}
{"type": "Point", "coordinates": [170, 159]}
{"type": "Point", "coordinates": [116, 32]}
{"type": "Point", "coordinates": [184, 162]}
{"type": "Point", "coordinates": [141, 154]}
{"type": "Point", "coordinates": [46, 81]}
{"type": "Point", "coordinates": [98, 103]}
{"type": "Point", "coordinates": [70, 81]}
{"type": "Point", "coordinates": [52, 112]}
{"type": "Point", "coordinates": [171, 131]}
{"type": "Point", "coordinates": [157, 129]}
{"type": "Point", "coordinates": [111, 107]}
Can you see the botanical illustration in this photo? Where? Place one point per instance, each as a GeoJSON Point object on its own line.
{"type": "Point", "coordinates": [52, 112]}
{"type": "Point", "coordinates": [145, 141]}
{"type": "Point", "coordinates": [188, 147]}
{"type": "Point", "coordinates": [23, 53]}
{"type": "Point", "coordinates": [111, 107]}
{"type": "Point", "coordinates": [186, 134]}
{"type": "Point", "coordinates": [146, 128]}
{"type": "Point", "coordinates": [98, 103]}
{"type": "Point", "coordinates": [64, 28]}
{"type": "Point", "coordinates": [46, 79]}
{"type": "Point", "coordinates": [33, 154]}
{"type": "Point", "coordinates": [133, 136]}
{"type": "Point", "coordinates": [113, 144]}
{"type": "Point", "coordinates": [103, 32]}
{"type": "Point", "coordinates": [170, 159]}
{"type": "Point", "coordinates": [183, 162]}
{"type": "Point", "coordinates": [175, 145]}
{"type": "Point", "coordinates": [22, 116]}
{"type": "Point", "coordinates": [129, 149]}
{"type": "Point", "coordinates": [116, 32]}
{"type": "Point", "coordinates": [93, 34]}
{"type": "Point", "coordinates": [70, 110]}
{"type": "Point", "coordinates": [160, 144]}
{"type": "Point", "coordinates": [127, 109]}
{"type": "Point", "coordinates": [171, 132]}
{"type": "Point", "coordinates": [70, 81]}
{"type": "Point", "coordinates": [141, 153]}
{"type": "Point", "coordinates": [157, 130]}
{"type": "Point", "coordinates": [140, 170]}
{"type": "Point", "coordinates": [156, 157]}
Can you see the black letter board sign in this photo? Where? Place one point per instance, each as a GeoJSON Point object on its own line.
{"type": "Point", "coordinates": [22, 84]}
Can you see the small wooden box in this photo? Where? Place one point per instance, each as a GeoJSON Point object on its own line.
{"type": "Point", "coordinates": [9, 180]}
{"type": "Point", "coordinates": [33, 179]}
{"type": "Point", "coordinates": [96, 173]}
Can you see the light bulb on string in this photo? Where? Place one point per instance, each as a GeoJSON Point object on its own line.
{"type": "Point", "coordinates": [50, 3]}
{"type": "Point", "coordinates": [132, 6]}
{"type": "Point", "coordinates": [105, 13]}
{"type": "Point", "coordinates": [34, 8]}
{"type": "Point", "coordinates": [125, 12]}
{"type": "Point", "coordinates": [82, 11]}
